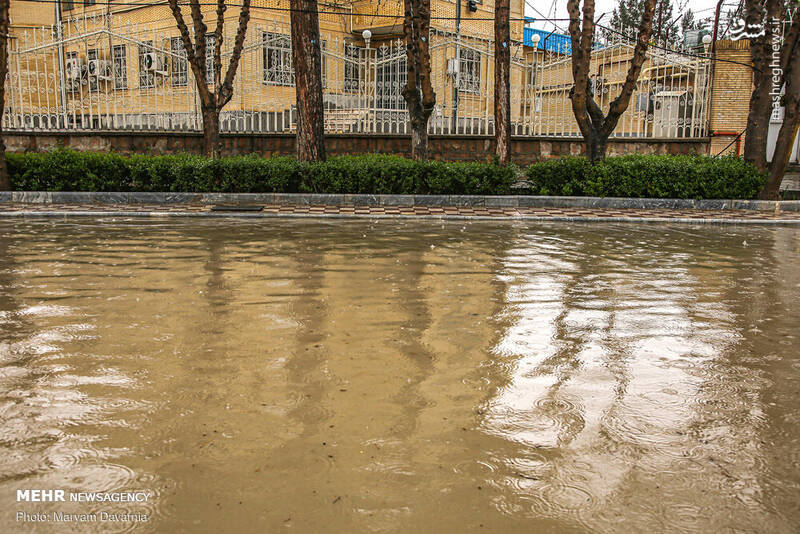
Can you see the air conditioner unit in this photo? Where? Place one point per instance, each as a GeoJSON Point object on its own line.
{"type": "Point", "coordinates": [73, 68]}
{"type": "Point", "coordinates": [452, 67]}
{"type": "Point", "coordinates": [100, 68]}
{"type": "Point", "coordinates": [155, 63]}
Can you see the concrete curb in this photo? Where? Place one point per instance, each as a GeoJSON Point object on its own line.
{"type": "Point", "coordinates": [261, 215]}
{"type": "Point", "coordinates": [301, 199]}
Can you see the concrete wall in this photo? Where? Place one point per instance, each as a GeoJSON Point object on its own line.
{"type": "Point", "coordinates": [449, 148]}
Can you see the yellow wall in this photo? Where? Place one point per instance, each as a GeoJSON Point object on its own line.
{"type": "Point", "coordinates": [24, 15]}
{"type": "Point", "coordinates": [155, 23]}
{"type": "Point", "coordinates": [730, 94]}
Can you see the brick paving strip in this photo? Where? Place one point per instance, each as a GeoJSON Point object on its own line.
{"type": "Point", "coordinates": [43, 204]}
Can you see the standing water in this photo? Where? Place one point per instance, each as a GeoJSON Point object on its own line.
{"type": "Point", "coordinates": [401, 376]}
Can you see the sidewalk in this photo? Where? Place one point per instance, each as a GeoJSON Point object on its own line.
{"type": "Point", "coordinates": [550, 213]}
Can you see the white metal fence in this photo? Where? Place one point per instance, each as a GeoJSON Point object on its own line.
{"type": "Point", "coordinates": [100, 73]}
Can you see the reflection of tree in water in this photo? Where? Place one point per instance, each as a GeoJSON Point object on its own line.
{"type": "Point", "coordinates": [10, 319]}
{"type": "Point", "coordinates": [380, 301]}
{"type": "Point", "coordinates": [748, 411]}
{"type": "Point", "coordinates": [53, 391]}
{"type": "Point", "coordinates": [607, 361]}
{"type": "Point", "coordinates": [306, 364]}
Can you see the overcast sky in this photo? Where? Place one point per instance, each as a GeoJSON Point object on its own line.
{"type": "Point", "coordinates": [701, 8]}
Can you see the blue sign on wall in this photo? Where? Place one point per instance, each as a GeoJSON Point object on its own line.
{"type": "Point", "coordinates": [557, 42]}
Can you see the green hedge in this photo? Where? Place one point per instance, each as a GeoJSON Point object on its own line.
{"type": "Point", "coordinates": [650, 176]}
{"type": "Point", "coordinates": [647, 176]}
{"type": "Point", "coordinates": [67, 170]}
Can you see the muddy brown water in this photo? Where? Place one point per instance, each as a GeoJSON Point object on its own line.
{"type": "Point", "coordinates": [401, 376]}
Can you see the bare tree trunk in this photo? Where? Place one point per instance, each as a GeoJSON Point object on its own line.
{"type": "Point", "coordinates": [211, 103]}
{"type": "Point", "coordinates": [418, 91]}
{"type": "Point", "coordinates": [419, 130]}
{"type": "Point", "coordinates": [596, 146]}
{"type": "Point", "coordinates": [594, 125]}
{"type": "Point", "coordinates": [5, 182]}
{"type": "Point", "coordinates": [755, 143]}
{"type": "Point", "coordinates": [760, 17]}
{"type": "Point", "coordinates": [786, 135]}
{"type": "Point", "coordinates": [212, 145]}
{"type": "Point", "coordinates": [307, 61]}
{"type": "Point", "coordinates": [502, 81]}
{"type": "Point", "coordinates": [783, 150]}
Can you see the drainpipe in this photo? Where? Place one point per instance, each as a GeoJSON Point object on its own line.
{"type": "Point", "coordinates": [454, 126]}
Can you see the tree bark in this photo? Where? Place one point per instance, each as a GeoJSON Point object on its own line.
{"type": "Point", "coordinates": [5, 181]}
{"type": "Point", "coordinates": [502, 81]}
{"type": "Point", "coordinates": [596, 147]}
{"type": "Point", "coordinates": [212, 144]}
{"type": "Point", "coordinates": [307, 61]}
{"type": "Point", "coordinates": [757, 15]}
{"type": "Point", "coordinates": [419, 129]}
{"type": "Point", "coordinates": [786, 135]}
{"type": "Point", "coordinates": [418, 91]}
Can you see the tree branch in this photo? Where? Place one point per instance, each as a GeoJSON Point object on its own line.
{"type": "Point", "coordinates": [791, 40]}
{"type": "Point", "coordinates": [580, 63]}
{"type": "Point", "coordinates": [423, 24]}
{"type": "Point", "coordinates": [412, 85]}
{"type": "Point", "coordinates": [200, 31]}
{"type": "Point", "coordinates": [191, 58]}
{"type": "Point", "coordinates": [620, 104]}
{"type": "Point", "coordinates": [218, 37]}
{"type": "Point", "coordinates": [225, 92]}
{"type": "Point", "coordinates": [595, 113]}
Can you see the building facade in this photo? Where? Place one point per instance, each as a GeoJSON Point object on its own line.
{"type": "Point", "coordinates": [106, 67]}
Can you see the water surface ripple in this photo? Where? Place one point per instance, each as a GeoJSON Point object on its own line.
{"type": "Point", "coordinates": [396, 376]}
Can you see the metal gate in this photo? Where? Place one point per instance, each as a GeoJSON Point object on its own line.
{"type": "Point", "coordinates": [101, 73]}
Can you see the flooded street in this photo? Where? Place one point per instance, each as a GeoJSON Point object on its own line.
{"type": "Point", "coordinates": [401, 375]}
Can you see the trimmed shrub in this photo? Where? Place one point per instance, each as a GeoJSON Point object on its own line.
{"type": "Point", "coordinates": [635, 175]}
{"type": "Point", "coordinates": [647, 176]}
{"type": "Point", "coordinates": [68, 170]}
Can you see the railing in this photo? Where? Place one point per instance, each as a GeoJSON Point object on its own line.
{"type": "Point", "coordinates": [101, 73]}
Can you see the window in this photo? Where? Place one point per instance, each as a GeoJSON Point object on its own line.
{"type": "Point", "coordinates": [146, 77]}
{"type": "Point", "coordinates": [180, 67]}
{"type": "Point", "coordinates": [73, 71]}
{"type": "Point", "coordinates": [120, 56]}
{"type": "Point", "coordinates": [324, 66]}
{"type": "Point", "coordinates": [277, 52]}
{"type": "Point", "coordinates": [352, 68]}
{"type": "Point", "coordinates": [211, 45]}
{"type": "Point", "coordinates": [94, 86]}
{"type": "Point", "coordinates": [67, 5]}
{"type": "Point", "coordinates": [89, 2]}
{"type": "Point", "coordinates": [469, 78]}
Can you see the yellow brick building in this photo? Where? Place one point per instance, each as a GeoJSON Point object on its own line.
{"type": "Point", "coordinates": [114, 66]}
{"type": "Point", "coordinates": [118, 66]}
{"type": "Point", "coordinates": [26, 15]}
